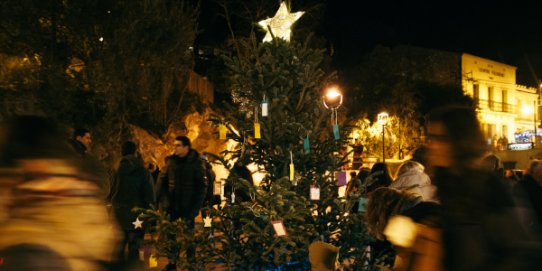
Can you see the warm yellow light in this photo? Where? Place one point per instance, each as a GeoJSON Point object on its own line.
{"type": "Point", "coordinates": [382, 118]}
{"type": "Point", "coordinates": [401, 231]}
{"type": "Point", "coordinates": [333, 93]}
{"type": "Point", "coordinates": [333, 98]}
{"type": "Point", "coordinates": [280, 24]}
{"type": "Point", "coordinates": [527, 110]}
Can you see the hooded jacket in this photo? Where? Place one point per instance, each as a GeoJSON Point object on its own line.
{"type": "Point", "coordinates": [415, 181]}
{"type": "Point", "coordinates": [132, 186]}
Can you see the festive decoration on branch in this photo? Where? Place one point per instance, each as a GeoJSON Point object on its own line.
{"type": "Point", "coordinates": [280, 25]}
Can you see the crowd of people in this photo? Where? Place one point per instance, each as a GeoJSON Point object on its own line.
{"type": "Point", "coordinates": [456, 209]}
{"type": "Point", "coordinates": [453, 208]}
{"type": "Point", "coordinates": [61, 210]}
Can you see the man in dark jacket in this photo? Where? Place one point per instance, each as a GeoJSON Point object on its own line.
{"type": "Point", "coordinates": [91, 166]}
{"type": "Point", "coordinates": [183, 182]}
{"type": "Point", "coordinates": [132, 186]}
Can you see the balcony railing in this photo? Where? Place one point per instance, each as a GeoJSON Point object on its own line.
{"type": "Point", "coordinates": [495, 106]}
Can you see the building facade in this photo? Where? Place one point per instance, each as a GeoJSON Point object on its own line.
{"type": "Point", "coordinates": [508, 112]}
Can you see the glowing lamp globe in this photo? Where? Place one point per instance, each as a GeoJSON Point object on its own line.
{"type": "Point", "coordinates": [333, 98]}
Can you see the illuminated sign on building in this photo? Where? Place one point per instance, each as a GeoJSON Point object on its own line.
{"type": "Point", "coordinates": [520, 146]}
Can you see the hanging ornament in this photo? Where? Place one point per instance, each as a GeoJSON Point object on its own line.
{"type": "Point", "coordinates": [361, 204]}
{"type": "Point", "coordinates": [257, 134]}
{"type": "Point", "coordinates": [291, 166]}
{"type": "Point", "coordinates": [207, 221]}
{"type": "Point", "coordinates": [138, 224]}
{"type": "Point", "coordinates": [306, 145]}
{"type": "Point", "coordinates": [315, 192]}
{"type": "Point", "coordinates": [279, 26]}
{"type": "Point", "coordinates": [265, 106]}
{"type": "Point", "coordinates": [336, 132]}
{"type": "Point", "coordinates": [278, 226]}
{"type": "Point", "coordinates": [341, 178]}
{"type": "Point", "coordinates": [222, 131]}
{"type": "Point", "coordinates": [233, 196]}
{"type": "Point", "coordinates": [153, 261]}
{"type": "Point", "coordinates": [217, 188]}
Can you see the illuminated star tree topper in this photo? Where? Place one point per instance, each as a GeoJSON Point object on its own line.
{"type": "Point", "coordinates": [280, 25]}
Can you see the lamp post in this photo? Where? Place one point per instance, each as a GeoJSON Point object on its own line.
{"type": "Point", "coordinates": [534, 120]}
{"type": "Point", "coordinates": [333, 99]}
{"type": "Point", "coordinates": [383, 120]}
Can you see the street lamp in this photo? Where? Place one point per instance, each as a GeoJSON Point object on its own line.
{"type": "Point", "coordinates": [383, 120]}
{"type": "Point", "coordinates": [333, 99]}
{"type": "Point", "coordinates": [527, 110]}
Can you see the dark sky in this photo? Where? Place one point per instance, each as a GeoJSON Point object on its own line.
{"type": "Point", "coordinates": [508, 32]}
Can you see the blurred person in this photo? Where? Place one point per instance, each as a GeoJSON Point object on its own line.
{"type": "Point", "coordinates": [323, 256]}
{"type": "Point", "coordinates": [154, 170]}
{"type": "Point", "coordinates": [183, 183]}
{"type": "Point", "coordinates": [529, 194]}
{"type": "Point", "coordinates": [355, 188]}
{"type": "Point", "coordinates": [132, 186]}
{"type": "Point", "coordinates": [492, 163]}
{"type": "Point", "coordinates": [379, 177]}
{"type": "Point", "coordinates": [420, 155]}
{"type": "Point", "coordinates": [81, 142]}
{"type": "Point", "coordinates": [480, 229]}
{"type": "Point", "coordinates": [55, 220]}
{"type": "Point", "coordinates": [358, 151]}
{"type": "Point", "coordinates": [386, 202]}
{"type": "Point", "coordinates": [412, 179]}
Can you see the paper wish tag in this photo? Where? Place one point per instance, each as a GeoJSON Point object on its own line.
{"type": "Point", "coordinates": [341, 178]}
{"type": "Point", "coordinates": [315, 192]}
{"type": "Point", "coordinates": [292, 169]}
{"type": "Point", "coordinates": [265, 111]}
{"type": "Point", "coordinates": [217, 188]}
{"type": "Point", "coordinates": [257, 134]}
{"type": "Point", "coordinates": [278, 226]}
{"type": "Point", "coordinates": [222, 131]}
{"type": "Point", "coordinates": [153, 261]}
{"type": "Point", "coordinates": [306, 145]}
{"type": "Point", "coordinates": [336, 133]}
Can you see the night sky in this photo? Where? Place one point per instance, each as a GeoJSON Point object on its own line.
{"type": "Point", "coordinates": [510, 33]}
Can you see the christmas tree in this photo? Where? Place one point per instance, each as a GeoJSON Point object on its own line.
{"type": "Point", "coordinates": [282, 127]}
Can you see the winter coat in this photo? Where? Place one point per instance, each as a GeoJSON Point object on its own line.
{"type": "Point", "coordinates": [183, 183]}
{"type": "Point", "coordinates": [415, 181]}
{"type": "Point", "coordinates": [92, 168]}
{"type": "Point", "coordinates": [533, 192]}
{"type": "Point", "coordinates": [480, 229]}
{"type": "Point", "coordinates": [132, 186]}
{"type": "Point", "coordinates": [55, 220]}
{"type": "Point", "coordinates": [323, 256]}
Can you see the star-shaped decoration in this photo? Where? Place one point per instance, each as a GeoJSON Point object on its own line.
{"type": "Point", "coordinates": [138, 223]}
{"type": "Point", "coordinates": [280, 24]}
{"type": "Point", "coordinates": [207, 222]}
